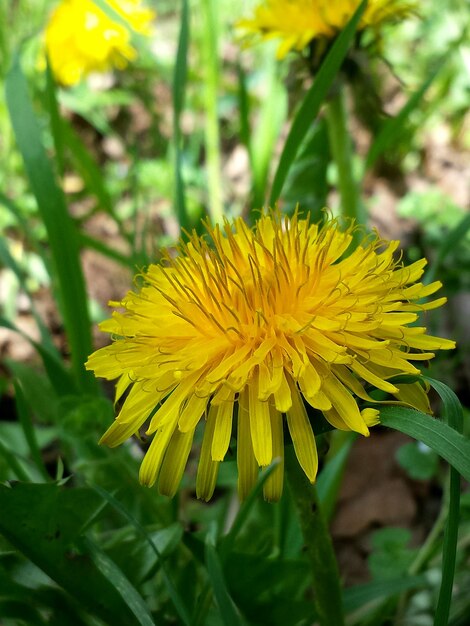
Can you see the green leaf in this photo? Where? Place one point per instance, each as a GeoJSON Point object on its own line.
{"type": "Point", "coordinates": [390, 557]}
{"type": "Point", "coordinates": [228, 610]}
{"type": "Point", "coordinates": [87, 167]}
{"type": "Point", "coordinates": [448, 244]}
{"type": "Point", "coordinates": [454, 415]}
{"type": "Point", "coordinates": [172, 590]}
{"type": "Point", "coordinates": [179, 91]}
{"type": "Point", "coordinates": [55, 120]}
{"type": "Point", "coordinates": [121, 584]}
{"type": "Point", "coordinates": [449, 444]}
{"type": "Point", "coordinates": [8, 261]}
{"type": "Point", "coordinates": [270, 118]}
{"type": "Point", "coordinates": [86, 241]}
{"type": "Point", "coordinates": [229, 539]}
{"type": "Point", "coordinates": [329, 479]}
{"type": "Point", "coordinates": [356, 597]}
{"type": "Point", "coordinates": [45, 523]}
{"type": "Point", "coordinates": [313, 100]}
{"type": "Point", "coordinates": [60, 228]}
{"type": "Point", "coordinates": [418, 462]}
{"type": "Point", "coordinates": [59, 377]}
{"type": "Point", "coordinates": [392, 129]}
{"type": "Point", "coordinates": [23, 411]}
{"type": "Point", "coordinates": [306, 184]}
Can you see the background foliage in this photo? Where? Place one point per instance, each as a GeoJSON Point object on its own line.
{"type": "Point", "coordinates": [94, 180]}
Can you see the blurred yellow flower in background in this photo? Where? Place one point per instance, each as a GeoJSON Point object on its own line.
{"type": "Point", "coordinates": [243, 327]}
{"type": "Point", "coordinates": [81, 38]}
{"type": "Point", "coordinates": [297, 22]}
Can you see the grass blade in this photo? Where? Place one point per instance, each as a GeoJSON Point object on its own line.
{"type": "Point", "coordinates": [215, 207]}
{"type": "Point", "coordinates": [245, 508]}
{"type": "Point", "coordinates": [449, 444]}
{"type": "Point", "coordinates": [87, 168]}
{"type": "Point", "coordinates": [59, 225]}
{"type": "Point", "coordinates": [60, 378]}
{"type": "Point", "coordinates": [312, 102]}
{"type": "Point", "coordinates": [24, 415]}
{"type": "Point", "coordinates": [179, 89]}
{"type": "Point", "coordinates": [87, 241]}
{"type": "Point", "coordinates": [121, 584]}
{"type": "Point", "coordinates": [228, 610]}
{"type": "Point", "coordinates": [449, 243]}
{"type": "Point", "coordinates": [55, 120]}
{"type": "Point", "coordinates": [454, 416]}
{"type": "Point", "coordinates": [329, 479]}
{"type": "Point", "coordinates": [172, 591]}
{"type": "Point", "coordinates": [391, 130]}
{"type": "Point", "coordinates": [8, 261]}
{"type": "Point", "coordinates": [357, 597]}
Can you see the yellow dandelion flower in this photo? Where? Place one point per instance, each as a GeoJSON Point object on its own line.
{"type": "Point", "coordinates": [297, 22]}
{"type": "Point", "coordinates": [80, 38]}
{"type": "Point", "coordinates": [248, 327]}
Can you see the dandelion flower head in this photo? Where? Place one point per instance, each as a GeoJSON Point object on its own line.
{"type": "Point", "coordinates": [297, 22]}
{"type": "Point", "coordinates": [244, 328]}
{"type": "Point", "coordinates": [81, 38]}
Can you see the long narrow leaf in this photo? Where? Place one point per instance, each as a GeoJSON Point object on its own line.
{"type": "Point", "coordinates": [228, 610]}
{"type": "Point", "coordinates": [59, 377]}
{"type": "Point", "coordinates": [245, 508]}
{"type": "Point", "coordinates": [211, 126]}
{"type": "Point", "coordinates": [87, 168]}
{"type": "Point", "coordinates": [179, 89]}
{"type": "Point", "coordinates": [454, 416]}
{"type": "Point", "coordinates": [329, 480]}
{"type": "Point", "coordinates": [313, 101]}
{"type": "Point", "coordinates": [356, 597]}
{"type": "Point", "coordinates": [449, 444]}
{"type": "Point", "coordinates": [121, 584]}
{"type": "Point", "coordinates": [172, 590]}
{"type": "Point", "coordinates": [448, 243]}
{"type": "Point", "coordinates": [392, 128]}
{"type": "Point", "coordinates": [55, 120]}
{"type": "Point", "coordinates": [59, 225]}
{"type": "Point", "coordinates": [24, 415]}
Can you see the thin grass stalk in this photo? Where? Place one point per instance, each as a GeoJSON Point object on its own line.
{"type": "Point", "coordinates": [341, 149]}
{"type": "Point", "coordinates": [179, 91]}
{"type": "Point", "coordinates": [319, 546]}
{"type": "Point", "coordinates": [212, 135]}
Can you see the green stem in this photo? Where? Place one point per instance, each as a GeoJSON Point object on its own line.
{"type": "Point", "coordinates": [212, 138]}
{"type": "Point", "coordinates": [319, 547]}
{"type": "Point", "coordinates": [341, 150]}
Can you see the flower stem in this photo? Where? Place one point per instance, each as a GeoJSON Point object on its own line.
{"type": "Point", "coordinates": [341, 150]}
{"type": "Point", "coordinates": [319, 547]}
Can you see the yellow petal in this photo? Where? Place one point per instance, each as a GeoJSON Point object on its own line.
{"type": "Point", "coordinates": [246, 461]}
{"type": "Point", "coordinates": [192, 413]}
{"type": "Point", "coordinates": [344, 404]}
{"type": "Point", "coordinates": [414, 395]}
{"type": "Point", "coordinates": [272, 489]}
{"type": "Point", "coordinates": [207, 468]}
{"type": "Point", "coordinates": [260, 425]}
{"type": "Point", "coordinates": [175, 460]}
{"type": "Point", "coordinates": [117, 433]}
{"type": "Point", "coordinates": [154, 456]}
{"type": "Point", "coordinates": [302, 434]}
{"type": "Point", "coordinates": [223, 429]}
{"type": "Point", "coordinates": [371, 378]}
{"type": "Point", "coordinates": [282, 397]}
{"type": "Point", "coordinates": [371, 416]}
{"type": "Point", "coordinates": [171, 406]}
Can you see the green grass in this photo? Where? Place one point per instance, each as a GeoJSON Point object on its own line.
{"type": "Point", "coordinates": [200, 125]}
